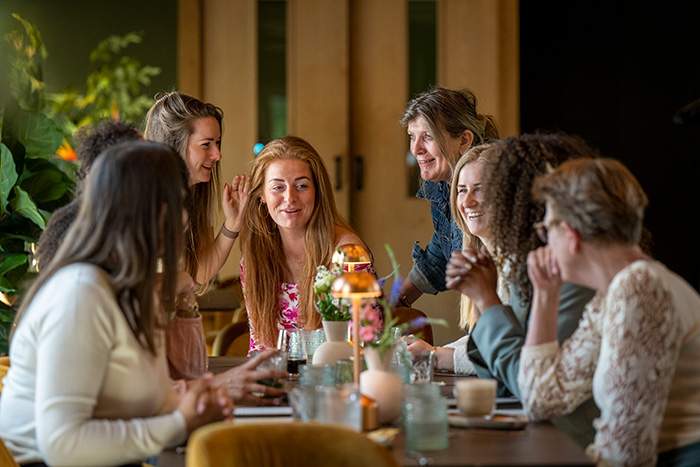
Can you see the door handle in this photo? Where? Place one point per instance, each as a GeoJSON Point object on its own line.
{"type": "Point", "coordinates": [338, 163]}
{"type": "Point", "coordinates": [358, 172]}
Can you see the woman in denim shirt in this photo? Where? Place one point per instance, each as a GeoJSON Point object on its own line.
{"type": "Point", "coordinates": [442, 125]}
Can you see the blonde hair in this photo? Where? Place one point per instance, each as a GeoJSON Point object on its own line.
{"type": "Point", "coordinates": [599, 198]}
{"type": "Point", "coordinates": [261, 244]}
{"type": "Point", "coordinates": [453, 111]}
{"type": "Point", "coordinates": [482, 153]}
{"type": "Point", "coordinates": [170, 121]}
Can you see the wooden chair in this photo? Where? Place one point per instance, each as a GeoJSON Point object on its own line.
{"type": "Point", "coordinates": [289, 444]}
{"type": "Point", "coordinates": [6, 459]}
{"type": "Point", "coordinates": [408, 315]}
{"type": "Point", "coordinates": [4, 368]}
{"type": "Point", "coordinates": [232, 340]}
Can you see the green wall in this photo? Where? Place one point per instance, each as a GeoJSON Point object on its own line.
{"type": "Point", "coordinates": [72, 28]}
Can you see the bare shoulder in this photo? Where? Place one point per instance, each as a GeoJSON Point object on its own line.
{"type": "Point", "coordinates": [344, 236]}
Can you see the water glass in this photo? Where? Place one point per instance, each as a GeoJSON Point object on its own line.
{"type": "Point", "coordinates": [313, 338]}
{"type": "Point", "coordinates": [425, 418]}
{"type": "Point", "coordinates": [316, 375]}
{"type": "Point", "coordinates": [422, 370]}
{"type": "Point", "coordinates": [343, 371]}
{"type": "Point", "coordinates": [338, 405]}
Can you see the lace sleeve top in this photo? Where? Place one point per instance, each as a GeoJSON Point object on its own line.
{"type": "Point", "coordinates": [637, 351]}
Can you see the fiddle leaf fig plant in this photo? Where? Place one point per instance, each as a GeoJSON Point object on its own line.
{"type": "Point", "coordinates": [34, 181]}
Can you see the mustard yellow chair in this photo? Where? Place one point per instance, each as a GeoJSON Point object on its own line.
{"type": "Point", "coordinates": [232, 341]}
{"type": "Point", "coordinates": [6, 459]}
{"type": "Point", "coordinates": [4, 368]}
{"type": "Point", "coordinates": [284, 445]}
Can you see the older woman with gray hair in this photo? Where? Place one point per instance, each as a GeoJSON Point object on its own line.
{"type": "Point", "coordinates": [637, 347]}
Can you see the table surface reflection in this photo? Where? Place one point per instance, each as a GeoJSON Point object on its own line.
{"type": "Point", "coordinates": [539, 444]}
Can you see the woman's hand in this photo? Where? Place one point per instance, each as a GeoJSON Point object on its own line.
{"type": "Point", "coordinates": [417, 346]}
{"type": "Point", "coordinates": [475, 275]}
{"type": "Point", "coordinates": [204, 403]}
{"type": "Point", "coordinates": [233, 201]}
{"type": "Point", "coordinates": [444, 355]}
{"type": "Point", "coordinates": [242, 381]}
{"type": "Point", "coordinates": [543, 271]}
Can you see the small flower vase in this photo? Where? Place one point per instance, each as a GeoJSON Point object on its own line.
{"type": "Point", "coordinates": [382, 384]}
{"type": "Point", "coordinates": [336, 346]}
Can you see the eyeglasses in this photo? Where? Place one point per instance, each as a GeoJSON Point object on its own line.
{"type": "Point", "coordinates": [541, 228]}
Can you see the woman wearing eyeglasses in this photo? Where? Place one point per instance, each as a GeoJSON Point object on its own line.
{"type": "Point", "coordinates": [638, 351]}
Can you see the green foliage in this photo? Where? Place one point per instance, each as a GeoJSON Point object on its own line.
{"type": "Point", "coordinates": [114, 87]}
{"type": "Point", "coordinates": [34, 181]}
{"type": "Point", "coordinates": [25, 70]}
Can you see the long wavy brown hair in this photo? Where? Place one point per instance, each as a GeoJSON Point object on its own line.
{"type": "Point", "coordinates": [130, 217]}
{"type": "Point", "coordinates": [170, 121]}
{"type": "Point", "coordinates": [507, 194]}
{"type": "Point", "coordinates": [261, 244]}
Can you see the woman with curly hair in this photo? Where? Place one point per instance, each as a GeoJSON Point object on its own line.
{"type": "Point", "coordinates": [442, 125]}
{"type": "Point", "coordinates": [498, 334]}
{"type": "Point", "coordinates": [292, 227]}
{"type": "Point", "coordinates": [638, 350]}
{"type": "Point", "coordinates": [91, 142]}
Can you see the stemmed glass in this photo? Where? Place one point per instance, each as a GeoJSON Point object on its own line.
{"type": "Point", "coordinates": [292, 342]}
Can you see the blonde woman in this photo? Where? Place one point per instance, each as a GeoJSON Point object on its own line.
{"type": "Point", "coordinates": [193, 129]}
{"type": "Point", "coordinates": [466, 203]}
{"type": "Point", "coordinates": [637, 350]}
{"type": "Point", "coordinates": [291, 227]}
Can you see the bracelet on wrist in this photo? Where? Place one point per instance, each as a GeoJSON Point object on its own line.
{"type": "Point", "coordinates": [228, 233]}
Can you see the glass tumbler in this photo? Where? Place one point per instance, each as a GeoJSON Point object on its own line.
{"type": "Point", "coordinates": [425, 418]}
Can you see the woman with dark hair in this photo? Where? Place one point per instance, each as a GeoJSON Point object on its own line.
{"type": "Point", "coordinates": [498, 334]}
{"type": "Point", "coordinates": [89, 381]}
{"type": "Point", "coordinates": [91, 141]}
{"type": "Point", "coordinates": [638, 351]}
{"type": "Point", "coordinates": [442, 125]}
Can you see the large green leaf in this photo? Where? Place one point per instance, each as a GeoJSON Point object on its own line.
{"type": "Point", "coordinates": [39, 134]}
{"type": "Point", "coordinates": [8, 175]}
{"type": "Point", "coordinates": [22, 204]}
{"type": "Point", "coordinates": [47, 185]}
{"type": "Point", "coordinates": [6, 286]}
{"type": "Point", "coordinates": [9, 262]}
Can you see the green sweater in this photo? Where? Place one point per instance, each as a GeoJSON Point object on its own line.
{"type": "Point", "coordinates": [499, 334]}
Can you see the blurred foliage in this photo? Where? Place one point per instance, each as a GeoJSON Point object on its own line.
{"type": "Point", "coordinates": [34, 181]}
{"type": "Point", "coordinates": [114, 88]}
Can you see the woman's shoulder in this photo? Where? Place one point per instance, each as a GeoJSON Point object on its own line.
{"type": "Point", "coordinates": [345, 236]}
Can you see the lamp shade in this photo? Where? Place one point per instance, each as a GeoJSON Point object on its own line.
{"type": "Point", "coordinates": [356, 285]}
{"type": "Point", "coordinates": [352, 254]}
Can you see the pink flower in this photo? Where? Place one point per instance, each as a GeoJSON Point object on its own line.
{"type": "Point", "coordinates": [367, 333]}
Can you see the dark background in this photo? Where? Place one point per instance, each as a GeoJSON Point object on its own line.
{"type": "Point", "coordinates": [615, 72]}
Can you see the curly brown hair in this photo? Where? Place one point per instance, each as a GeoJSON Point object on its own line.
{"type": "Point", "coordinates": [512, 210]}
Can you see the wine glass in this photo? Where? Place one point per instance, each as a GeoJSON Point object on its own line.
{"type": "Point", "coordinates": [292, 342]}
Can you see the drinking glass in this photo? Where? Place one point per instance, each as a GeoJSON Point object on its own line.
{"type": "Point", "coordinates": [291, 342]}
{"type": "Point", "coordinates": [277, 362]}
{"type": "Point", "coordinates": [313, 338]}
{"type": "Point", "coordinates": [422, 370]}
{"type": "Point", "coordinates": [425, 418]}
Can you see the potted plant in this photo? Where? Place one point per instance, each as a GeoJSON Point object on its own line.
{"type": "Point", "coordinates": [335, 317]}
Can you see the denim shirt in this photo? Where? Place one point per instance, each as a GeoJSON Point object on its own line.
{"type": "Point", "coordinates": [428, 272]}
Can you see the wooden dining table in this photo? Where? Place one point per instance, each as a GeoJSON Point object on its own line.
{"type": "Point", "coordinates": [538, 444]}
